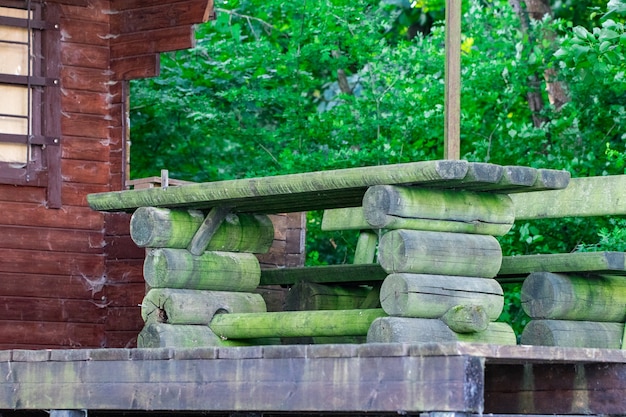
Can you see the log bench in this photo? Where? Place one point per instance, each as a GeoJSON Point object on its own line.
{"type": "Point", "coordinates": [200, 263]}
{"type": "Point", "coordinates": [576, 299]}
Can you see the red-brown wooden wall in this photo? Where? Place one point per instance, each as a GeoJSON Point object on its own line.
{"type": "Point", "coordinates": [71, 277]}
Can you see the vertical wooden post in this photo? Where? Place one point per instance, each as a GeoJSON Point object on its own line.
{"type": "Point", "coordinates": [452, 128]}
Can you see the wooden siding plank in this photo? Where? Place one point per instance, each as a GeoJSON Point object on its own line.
{"type": "Point", "coordinates": [88, 14]}
{"type": "Point", "coordinates": [121, 339]}
{"type": "Point", "coordinates": [144, 66]}
{"type": "Point", "coordinates": [86, 56]}
{"type": "Point", "coordinates": [48, 239]}
{"type": "Point", "coordinates": [85, 172]}
{"type": "Point", "coordinates": [22, 194]}
{"type": "Point", "coordinates": [117, 224]}
{"type": "Point", "coordinates": [73, 32]}
{"type": "Point", "coordinates": [86, 149]}
{"type": "Point", "coordinates": [20, 214]}
{"type": "Point", "coordinates": [333, 384]}
{"type": "Point", "coordinates": [53, 310]}
{"type": "Point", "coordinates": [124, 319]}
{"type": "Point", "coordinates": [74, 194]}
{"type": "Point", "coordinates": [53, 286]}
{"type": "Point", "coordinates": [149, 17]}
{"type": "Point", "coordinates": [123, 247]}
{"type": "Point", "coordinates": [124, 272]}
{"type": "Point", "coordinates": [86, 102]}
{"type": "Point", "coordinates": [152, 42]}
{"type": "Point", "coordinates": [127, 295]}
{"type": "Point", "coordinates": [53, 263]}
{"type": "Point", "coordinates": [32, 334]}
{"type": "Point", "coordinates": [85, 79]}
{"type": "Point", "coordinates": [76, 124]}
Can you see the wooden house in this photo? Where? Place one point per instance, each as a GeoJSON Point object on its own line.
{"type": "Point", "coordinates": [70, 276]}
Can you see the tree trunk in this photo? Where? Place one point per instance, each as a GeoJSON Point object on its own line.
{"type": "Point", "coordinates": [537, 10]}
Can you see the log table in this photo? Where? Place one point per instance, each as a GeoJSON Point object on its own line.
{"type": "Point", "coordinates": [437, 221]}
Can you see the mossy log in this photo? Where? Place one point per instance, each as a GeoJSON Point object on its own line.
{"type": "Point", "coordinates": [466, 319]}
{"type": "Point", "coordinates": [347, 218]}
{"type": "Point", "coordinates": [160, 335]}
{"type": "Point", "coordinates": [439, 253]}
{"type": "Point", "coordinates": [365, 252]}
{"type": "Point", "coordinates": [547, 295]}
{"type": "Point", "coordinates": [154, 227]}
{"type": "Point", "coordinates": [431, 296]}
{"type": "Point", "coordinates": [215, 271]}
{"type": "Point", "coordinates": [311, 296]}
{"type": "Point", "coordinates": [166, 305]}
{"type": "Point", "coordinates": [295, 324]}
{"type": "Point", "coordinates": [579, 334]}
{"type": "Point", "coordinates": [412, 330]}
{"type": "Point", "coordinates": [394, 207]}
{"type": "Point", "coordinates": [602, 263]}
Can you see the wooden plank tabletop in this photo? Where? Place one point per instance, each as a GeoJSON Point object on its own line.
{"type": "Point", "coordinates": [331, 189]}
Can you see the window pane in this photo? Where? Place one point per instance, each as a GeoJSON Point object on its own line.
{"type": "Point", "coordinates": [14, 99]}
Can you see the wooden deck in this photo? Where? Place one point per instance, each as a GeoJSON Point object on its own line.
{"type": "Point", "coordinates": [372, 378]}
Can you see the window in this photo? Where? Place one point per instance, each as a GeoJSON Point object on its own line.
{"type": "Point", "coordinates": [29, 98]}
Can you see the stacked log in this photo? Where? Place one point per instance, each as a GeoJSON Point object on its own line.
{"type": "Point", "coordinates": [571, 310]}
{"type": "Point", "coordinates": [186, 290]}
{"type": "Point", "coordinates": [441, 257]}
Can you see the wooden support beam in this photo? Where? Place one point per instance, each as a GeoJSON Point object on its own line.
{"type": "Point", "coordinates": [207, 229]}
{"type": "Point", "coordinates": [583, 197]}
{"type": "Point", "coordinates": [452, 127]}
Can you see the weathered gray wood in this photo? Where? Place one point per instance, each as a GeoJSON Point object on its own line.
{"type": "Point", "coordinates": [579, 334]}
{"type": "Point", "coordinates": [165, 228]}
{"type": "Point", "coordinates": [394, 207]}
{"type": "Point", "coordinates": [431, 296]}
{"type": "Point", "coordinates": [412, 330]}
{"type": "Point", "coordinates": [326, 274]}
{"type": "Point", "coordinates": [207, 229]}
{"type": "Point", "coordinates": [312, 296]}
{"type": "Point", "coordinates": [159, 335]}
{"type": "Point", "coordinates": [176, 306]}
{"type": "Point", "coordinates": [431, 253]}
{"type": "Point", "coordinates": [215, 271]}
{"type": "Point", "coordinates": [452, 70]}
{"type": "Point", "coordinates": [365, 252]}
{"type": "Point", "coordinates": [295, 323]}
{"type": "Point", "coordinates": [466, 319]}
{"type": "Point", "coordinates": [295, 192]}
{"type": "Point", "coordinates": [592, 262]}
{"type": "Point", "coordinates": [269, 380]}
{"type": "Point", "coordinates": [513, 178]}
{"type": "Point", "coordinates": [547, 295]}
{"type": "Point", "coordinates": [583, 197]}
